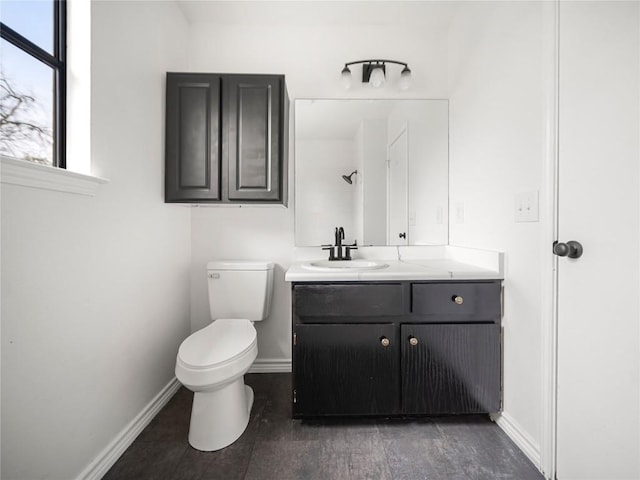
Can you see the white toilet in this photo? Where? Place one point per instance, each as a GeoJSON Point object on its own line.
{"type": "Point", "coordinates": [212, 361]}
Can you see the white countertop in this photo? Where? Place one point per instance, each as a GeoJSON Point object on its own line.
{"type": "Point", "coordinates": [405, 263]}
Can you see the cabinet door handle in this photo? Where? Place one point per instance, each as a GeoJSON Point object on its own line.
{"type": "Point", "coordinates": [457, 299]}
{"type": "Point", "coordinates": [413, 341]}
{"type": "Point", "coordinates": [384, 341]}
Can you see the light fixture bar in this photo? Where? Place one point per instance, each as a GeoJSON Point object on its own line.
{"type": "Point", "coordinates": [374, 72]}
{"type": "Point", "coordinates": [376, 61]}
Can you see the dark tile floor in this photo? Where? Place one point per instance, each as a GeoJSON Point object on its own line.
{"type": "Point", "coordinates": [276, 447]}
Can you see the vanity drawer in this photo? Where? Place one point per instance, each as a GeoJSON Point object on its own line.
{"type": "Point", "coordinates": [353, 300]}
{"type": "Point", "coordinates": [462, 302]}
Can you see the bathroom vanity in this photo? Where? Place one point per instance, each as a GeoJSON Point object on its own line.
{"type": "Point", "coordinates": [411, 338]}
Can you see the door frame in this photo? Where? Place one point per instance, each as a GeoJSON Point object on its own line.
{"type": "Point", "coordinates": [549, 233]}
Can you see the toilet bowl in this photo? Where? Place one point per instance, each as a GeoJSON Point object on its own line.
{"type": "Point", "coordinates": [212, 361]}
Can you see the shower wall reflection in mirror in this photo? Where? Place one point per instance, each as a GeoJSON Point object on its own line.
{"type": "Point", "coordinates": [378, 168]}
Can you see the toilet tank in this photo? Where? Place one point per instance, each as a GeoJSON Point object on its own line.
{"type": "Point", "coordinates": [240, 289]}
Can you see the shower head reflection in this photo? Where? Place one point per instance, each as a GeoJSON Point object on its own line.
{"type": "Point", "coordinates": [347, 178]}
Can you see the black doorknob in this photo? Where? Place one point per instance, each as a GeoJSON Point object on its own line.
{"type": "Point", "coordinates": [571, 249]}
{"type": "Point", "coordinates": [402, 235]}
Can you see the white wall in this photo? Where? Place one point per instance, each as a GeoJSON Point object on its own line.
{"type": "Point", "coordinates": [327, 201]}
{"type": "Point", "coordinates": [496, 151]}
{"type": "Point", "coordinates": [95, 291]}
{"type": "Point", "coordinates": [311, 56]}
{"type": "Point", "coordinates": [359, 190]}
{"type": "Point", "coordinates": [372, 178]}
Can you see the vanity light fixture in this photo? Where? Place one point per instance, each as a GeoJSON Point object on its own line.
{"type": "Point", "coordinates": [374, 71]}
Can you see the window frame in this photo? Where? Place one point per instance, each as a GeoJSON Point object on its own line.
{"type": "Point", "coordinates": [57, 62]}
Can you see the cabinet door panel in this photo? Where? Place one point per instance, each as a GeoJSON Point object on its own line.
{"type": "Point", "coordinates": [342, 369]}
{"type": "Point", "coordinates": [253, 117]}
{"type": "Point", "coordinates": [452, 368]}
{"type": "Point", "coordinates": [192, 143]}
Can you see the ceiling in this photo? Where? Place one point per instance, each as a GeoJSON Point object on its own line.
{"type": "Point", "coordinates": [429, 14]}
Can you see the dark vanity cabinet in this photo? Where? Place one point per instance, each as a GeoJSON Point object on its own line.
{"type": "Point", "coordinates": [327, 358]}
{"type": "Point", "coordinates": [405, 348]}
{"type": "Point", "coordinates": [226, 138]}
{"type": "Point", "coordinates": [451, 368]}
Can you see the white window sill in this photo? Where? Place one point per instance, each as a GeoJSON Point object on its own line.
{"type": "Point", "coordinates": [33, 175]}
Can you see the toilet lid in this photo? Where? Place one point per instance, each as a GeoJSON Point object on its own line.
{"type": "Point", "coordinates": [244, 265]}
{"type": "Point", "coordinates": [220, 341]}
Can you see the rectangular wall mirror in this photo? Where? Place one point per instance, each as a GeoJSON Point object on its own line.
{"type": "Point", "coordinates": [377, 168]}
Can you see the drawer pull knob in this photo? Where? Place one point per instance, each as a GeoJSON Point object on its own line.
{"type": "Point", "coordinates": [384, 341]}
{"type": "Point", "coordinates": [413, 341]}
{"type": "Point", "coordinates": [458, 299]}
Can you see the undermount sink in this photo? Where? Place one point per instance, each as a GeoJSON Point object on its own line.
{"type": "Point", "coordinates": [344, 265]}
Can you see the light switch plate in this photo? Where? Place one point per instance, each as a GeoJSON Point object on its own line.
{"type": "Point", "coordinates": [526, 205]}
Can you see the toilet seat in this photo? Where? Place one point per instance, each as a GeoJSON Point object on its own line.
{"type": "Point", "coordinates": [216, 344]}
{"type": "Point", "coordinates": [217, 354]}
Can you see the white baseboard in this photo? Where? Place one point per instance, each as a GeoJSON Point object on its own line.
{"type": "Point", "coordinates": [271, 365]}
{"type": "Point", "coordinates": [108, 457]}
{"type": "Point", "coordinates": [521, 438]}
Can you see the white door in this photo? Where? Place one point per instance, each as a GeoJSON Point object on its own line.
{"type": "Point", "coordinates": [598, 384]}
{"type": "Point", "coordinates": [397, 181]}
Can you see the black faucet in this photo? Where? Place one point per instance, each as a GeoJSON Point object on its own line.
{"type": "Point", "coordinates": [336, 251]}
{"type": "Point", "coordinates": [339, 234]}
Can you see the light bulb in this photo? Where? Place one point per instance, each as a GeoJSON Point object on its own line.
{"type": "Point", "coordinates": [377, 77]}
{"type": "Point", "coordinates": [405, 78]}
{"type": "Point", "coordinates": [345, 78]}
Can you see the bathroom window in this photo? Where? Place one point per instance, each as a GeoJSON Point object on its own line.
{"type": "Point", "coordinates": [33, 81]}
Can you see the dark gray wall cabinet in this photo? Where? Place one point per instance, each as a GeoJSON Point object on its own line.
{"type": "Point", "coordinates": [226, 138]}
{"type": "Point", "coordinates": [396, 348]}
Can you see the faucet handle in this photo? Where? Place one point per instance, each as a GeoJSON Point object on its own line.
{"type": "Point", "coordinates": [348, 251]}
{"type": "Point", "coordinates": [332, 255]}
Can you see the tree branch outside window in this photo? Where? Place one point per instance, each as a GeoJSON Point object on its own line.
{"type": "Point", "coordinates": [21, 135]}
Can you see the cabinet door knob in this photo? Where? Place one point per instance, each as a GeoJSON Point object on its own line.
{"type": "Point", "coordinates": [413, 341]}
{"type": "Point", "coordinates": [384, 341]}
{"type": "Point", "coordinates": [458, 299]}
